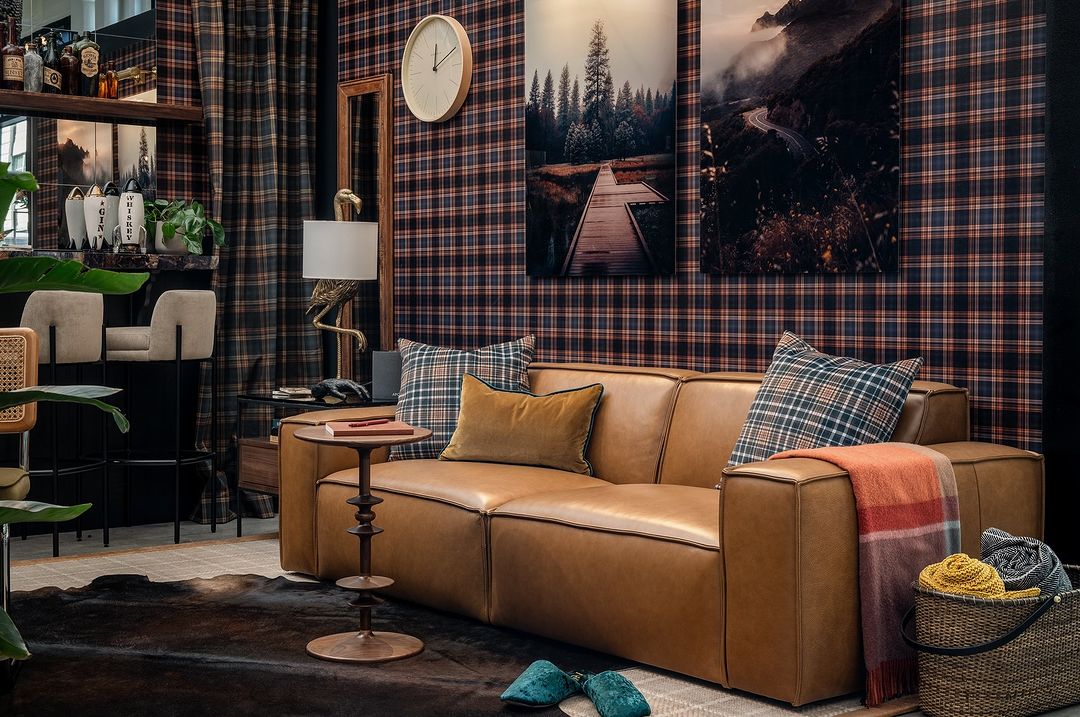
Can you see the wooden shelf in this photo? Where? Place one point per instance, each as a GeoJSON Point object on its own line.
{"type": "Point", "coordinates": [36, 104]}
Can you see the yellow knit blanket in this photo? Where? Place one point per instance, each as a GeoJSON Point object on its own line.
{"type": "Point", "coordinates": [962, 575]}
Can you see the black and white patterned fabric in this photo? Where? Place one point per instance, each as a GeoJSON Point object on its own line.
{"type": "Point", "coordinates": [431, 377]}
{"type": "Point", "coordinates": [809, 400]}
{"type": "Point", "coordinates": [1024, 562]}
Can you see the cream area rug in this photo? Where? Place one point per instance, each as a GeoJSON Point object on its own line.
{"type": "Point", "coordinates": [670, 696]}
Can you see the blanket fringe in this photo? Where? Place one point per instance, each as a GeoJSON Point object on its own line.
{"type": "Point", "coordinates": [892, 679]}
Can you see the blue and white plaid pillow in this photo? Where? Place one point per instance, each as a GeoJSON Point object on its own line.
{"type": "Point", "coordinates": [431, 386]}
{"type": "Point", "coordinates": [809, 399]}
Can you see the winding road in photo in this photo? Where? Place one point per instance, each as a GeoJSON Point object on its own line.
{"type": "Point", "coordinates": [799, 145]}
{"type": "Point", "coordinates": [607, 240]}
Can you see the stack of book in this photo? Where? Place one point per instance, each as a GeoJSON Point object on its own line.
{"type": "Point", "coordinates": [293, 394]}
{"type": "Point", "coordinates": [373, 427]}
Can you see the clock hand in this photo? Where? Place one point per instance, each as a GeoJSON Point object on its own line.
{"type": "Point", "coordinates": [435, 58]}
{"type": "Point", "coordinates": [444, 58]}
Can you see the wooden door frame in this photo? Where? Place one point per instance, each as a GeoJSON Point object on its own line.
{"type": "Point", "coordinates": [383, 86]}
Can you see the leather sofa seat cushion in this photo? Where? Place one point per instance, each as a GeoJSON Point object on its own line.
{"type": "Point", "coordinates": [434, 519]}
{"type": "Point", "coordinates": [677, 513]}
{"type": "Point", "coordinates": [634, 570]}
{"type": "Point", "coordinates": [479, 487]}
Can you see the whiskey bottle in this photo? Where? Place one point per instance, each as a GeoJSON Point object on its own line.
{"type": "Point", "coordinates": [32, 68]}
{"type": "Point", "coordinates": [52, 82]}
{"type": "Point", "coordinates": [89, 53]}
{"type": "Point", "coordinates": [112, 83]}
{"type": "Point", "coordinates": [69, 71]}
{"type": "Point", "coordinates": [102, 87]}
{"type": "Point", "coordinates": [12, 54]}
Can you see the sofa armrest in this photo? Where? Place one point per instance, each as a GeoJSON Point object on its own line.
{"type": "Point", "coordinates": [790, 542]}
{"type": "Point", "coordinates": [300, 465]}
{"type": "Point", "coordinates": [998, 486]}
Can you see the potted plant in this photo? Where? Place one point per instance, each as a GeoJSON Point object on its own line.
{"type": "Point", "coordinates": [178, 226]}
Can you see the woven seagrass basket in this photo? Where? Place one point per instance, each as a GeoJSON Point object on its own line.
{"type": "Point", "coordinates": [997, 658]}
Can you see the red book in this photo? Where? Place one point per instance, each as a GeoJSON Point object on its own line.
{"type": "Point", "coordinates": [369, 428]}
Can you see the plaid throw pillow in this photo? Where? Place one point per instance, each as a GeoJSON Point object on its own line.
{"type": "Point", "coordinates": [809, 400]}
{"type": "Point", "coordinates": [431, 386]}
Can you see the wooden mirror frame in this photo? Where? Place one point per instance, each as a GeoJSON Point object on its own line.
{"type": "Point", "coordinates": [382, 86]}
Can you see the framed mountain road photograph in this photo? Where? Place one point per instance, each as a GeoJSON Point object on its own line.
{"type": "Point", "coordinates": [800, 136]}
{"type": "Point", "coordinates": [600, 137]}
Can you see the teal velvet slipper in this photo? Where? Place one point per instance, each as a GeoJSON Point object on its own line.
{"type": "Point", "coordinates": [542, 684]}
{"type": "Point", "coordinates": [615, 696]}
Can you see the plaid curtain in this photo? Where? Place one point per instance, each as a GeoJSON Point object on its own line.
{"type": "Point", "coordinates": [257, 78]}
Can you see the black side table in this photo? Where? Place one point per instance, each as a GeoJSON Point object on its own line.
{"type": "Point", "coordinates": [256, 458]}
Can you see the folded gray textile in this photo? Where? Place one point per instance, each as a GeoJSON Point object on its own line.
{"type": "Point", "coordinates": [1024, 562]}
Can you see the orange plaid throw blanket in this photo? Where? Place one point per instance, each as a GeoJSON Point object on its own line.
{"type": "Point", "coordinates": [905, 498]}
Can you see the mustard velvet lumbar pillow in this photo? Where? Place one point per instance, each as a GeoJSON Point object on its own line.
{"type": "Point", "coordinates": [551, 431]}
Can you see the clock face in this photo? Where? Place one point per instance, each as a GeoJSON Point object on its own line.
{"type": "Point", "coordinates": [436, 68]}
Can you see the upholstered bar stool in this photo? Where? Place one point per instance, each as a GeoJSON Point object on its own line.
{"type": "Point", "coordinates": [72, 323]}
{"type": "Point", "coordinates": [181, 329]}
{"type": "Point", "coordinates": [18, 369]}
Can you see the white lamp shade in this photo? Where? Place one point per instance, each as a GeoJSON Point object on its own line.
{"type": "Point", "coordinates": [341, 250]}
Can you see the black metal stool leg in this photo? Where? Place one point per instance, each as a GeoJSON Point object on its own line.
{"type": "Point", "coordinates": [78, 452]}
{"type": "Point", "coordinates": [105, 449]}
{"type": "Point", "coordinates": [54, 443]}
{"type": "Point", "coordinates": [176, 485]}
{"type": "Point", "coordinates": [213, 443]}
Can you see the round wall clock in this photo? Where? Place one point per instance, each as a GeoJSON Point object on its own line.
{"type": "Point", "coordinates": [436, 68]}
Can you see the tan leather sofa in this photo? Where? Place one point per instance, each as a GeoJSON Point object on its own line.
{"type": "Point", "coordinates": [753, 585]}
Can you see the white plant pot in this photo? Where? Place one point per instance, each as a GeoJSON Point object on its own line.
{"type": "Point", "coordinates": [175, 245]}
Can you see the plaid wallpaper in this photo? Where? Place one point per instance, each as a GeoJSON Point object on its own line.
{"type": "Point", "coordinates": [968, 296]}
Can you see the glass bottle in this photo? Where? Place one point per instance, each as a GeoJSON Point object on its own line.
{"type": "Point", "coordinates": [12, 54]}
{"type": "Point", "coordinates": [32, 68]}
{"type": "Point", "coordinates": [102, 84]}
{"type": "Point", "coordinates": [89, 53]}
{"type": "Point", "coordinates": [69, 71]}
{"type": "Point", "coordinates": [52, 82]}
{"type": "Point", "coordinates": [112, 83]}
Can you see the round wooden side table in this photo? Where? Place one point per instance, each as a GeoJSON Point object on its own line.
{"type": "Point", "coordinates": [365, 645]}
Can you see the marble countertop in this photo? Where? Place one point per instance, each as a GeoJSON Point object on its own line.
{"type": "Point", "coordinates": [126, 262]}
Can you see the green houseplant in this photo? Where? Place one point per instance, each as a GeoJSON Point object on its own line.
{"type": "Point", "coordinates": [180, 224]}
{"type": "Point", "coordinates": [33, 273]}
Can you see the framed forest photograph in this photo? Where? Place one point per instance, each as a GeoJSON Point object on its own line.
{"type": "Point", "coordinates": [800, 139]}
{"type": "Point", "coordinates": [600, 137]}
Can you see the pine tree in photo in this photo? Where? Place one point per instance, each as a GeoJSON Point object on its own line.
{"type": "Point", "coordinates": [562, 102]}
{"type": "Point", "coordinates": [649, 102]}
{"type": "Point", "coordinates": [575, 102]}
{"type": "Point", "coordinates": [597, 69]}
{"type": "Point", "coordinates": [534, 93]}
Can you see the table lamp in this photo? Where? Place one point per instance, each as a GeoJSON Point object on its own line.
{"type": "Point", "coordinates": [340, 254]}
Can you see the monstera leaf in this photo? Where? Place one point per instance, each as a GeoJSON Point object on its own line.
{"type": "Point", "coordinates": [34, 273]}
{"type": "Point", "coordinates": [30, 511]}
{"type": "Point", "coordinates": [87, 395]}
{"type": "Point", "coordinates": [11, 642]}
{"type": "Point", "coordinates": [27, 511]}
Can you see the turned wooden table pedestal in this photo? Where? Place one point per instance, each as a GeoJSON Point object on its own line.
{"type": "Point", "coordinates": [365, 645]}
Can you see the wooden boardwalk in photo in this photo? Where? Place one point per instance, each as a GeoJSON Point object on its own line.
{"type": "Point", "coordinates": [607, 240]}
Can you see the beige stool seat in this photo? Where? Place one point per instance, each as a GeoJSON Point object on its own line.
{"type": "Point", "coordinates": [193, 311]}
{"type": "Point", "coordinates": [128, 343]}
{"type": "Point", "coordinates": [14, 483]}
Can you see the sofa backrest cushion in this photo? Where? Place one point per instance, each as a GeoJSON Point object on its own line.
{"type": "Point", "coordinates": [710, 410]}
{"type": "Point", "coordinates": [632, 421]}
